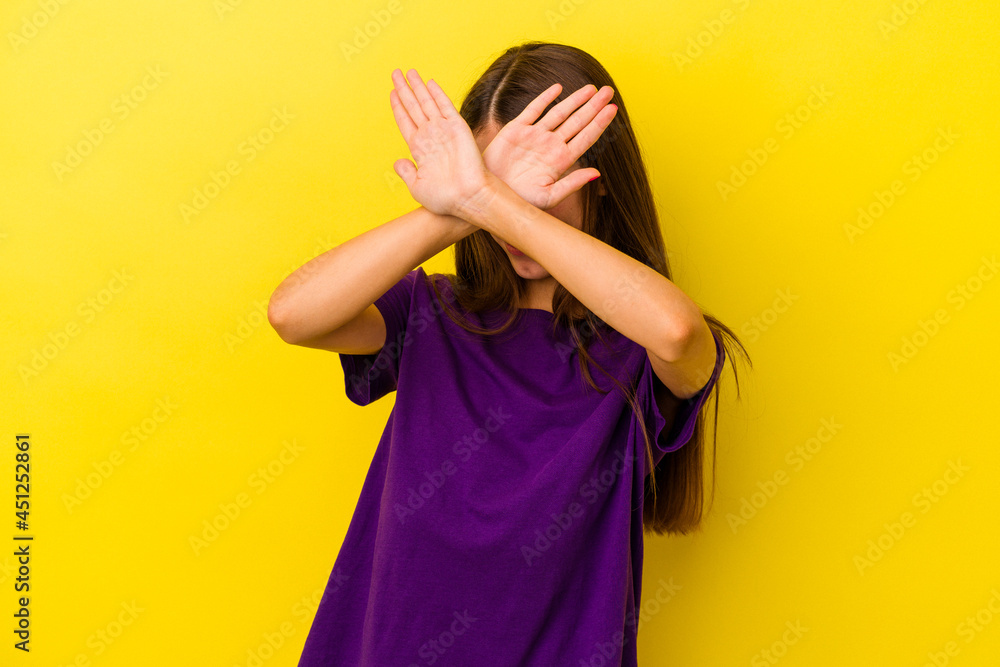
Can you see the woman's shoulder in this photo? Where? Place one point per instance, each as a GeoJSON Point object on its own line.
{"type": "Point", "coordinates": [429, 283]}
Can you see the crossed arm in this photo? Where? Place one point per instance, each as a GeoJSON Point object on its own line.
{"type": "Point", "coordinates": [506, 199]}
{"type": "Point", "coordinates": [327, 303]}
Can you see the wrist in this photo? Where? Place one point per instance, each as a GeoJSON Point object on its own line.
{"type": "Point", "coordinates": [452, 228]}
{"type": "Point", "coordinates": [476, 208]}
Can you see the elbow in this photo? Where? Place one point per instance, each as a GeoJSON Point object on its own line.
{"type": "Point", "coordinates": [278, 320]}
{"type": "Point", "coordinates": [681, 337]}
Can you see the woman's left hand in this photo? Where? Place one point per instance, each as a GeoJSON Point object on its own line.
{"type": "Point", "coordinates": [449, 171]}
{"type": "Point", "coordinates": [533, 156]}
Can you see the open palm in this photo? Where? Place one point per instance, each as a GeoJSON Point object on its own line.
{"type": "Point", "coordinates": [532, 157]}
{"type": "Point", "coordinates": [449, 169]}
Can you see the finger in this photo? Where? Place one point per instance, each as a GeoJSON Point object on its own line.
{"type": "Point", "coordinates": [589, 135]}
{"type": "Point", "coordinates": [582, 116]}
{"type": "Point", "coordinates": [405, 170]}
{"type": "Point", "coordinates": [408, 99]}
{"type": "Point", "coordinates": [403, 120]}
{"type": "Point", "coordinates": [442, 100]}
{"type": "Point", "coordinates": [531, 112]}
{"type": "Point", "coordinates": [427, 102]}
{"type": "Point", "coordinates": [572, 182]}
{"type": "Point", "coordinates": [561, 111]}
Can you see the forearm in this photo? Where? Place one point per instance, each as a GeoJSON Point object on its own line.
{"type": "Point", "coordinates": [631, 297]}
{"type": "Point", "coordinates": [335, 287]}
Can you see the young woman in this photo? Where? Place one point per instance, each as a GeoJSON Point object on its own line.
{"type": "Point", "coordinates": [544, 392]}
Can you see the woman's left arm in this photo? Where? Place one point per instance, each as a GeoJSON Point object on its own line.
{"type": "Point", "coordinates": [632, 298]}
{"type": "Point", "coordinates": [450, 177]}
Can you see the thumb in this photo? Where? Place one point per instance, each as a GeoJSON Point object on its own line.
{"type": "Point", "coordinates": [405, 169]}
{"type": "Point", "coordinates": [572, 182]}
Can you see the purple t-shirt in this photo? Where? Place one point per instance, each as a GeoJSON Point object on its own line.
{"type": "Point", "coordinates": [500, 522]}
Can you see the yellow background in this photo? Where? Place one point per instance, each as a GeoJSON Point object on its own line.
{"type": "Point", "coordinates": [182, 321]}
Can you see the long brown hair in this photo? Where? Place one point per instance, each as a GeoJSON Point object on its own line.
{"type": "Point", "coordinates": [625, 218]}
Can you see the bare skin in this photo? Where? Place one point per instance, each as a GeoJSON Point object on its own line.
{"type": "Point", "coordinates": [450, 176]}
{"type": "Point", "coordinates": [532, 168]}
{"type": "Point", "coordinates": [541, 284]}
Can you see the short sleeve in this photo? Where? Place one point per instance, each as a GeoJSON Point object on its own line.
{"type": "Point", "coordinates": [369, 377]}
{"type": "Point", "coordinates": [672, 436]}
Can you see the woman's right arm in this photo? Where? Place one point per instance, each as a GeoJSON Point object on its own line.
{"type": "Point", "coordinates": [328, 303]}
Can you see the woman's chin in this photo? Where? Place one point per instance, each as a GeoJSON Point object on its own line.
{"type": "Point", "coordinates": [528, 268]}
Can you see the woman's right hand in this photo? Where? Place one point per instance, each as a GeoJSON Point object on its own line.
{"type": "Point", "coordinates": [447, 170]}
{"type": "Point", "coordinates": [532, 157]}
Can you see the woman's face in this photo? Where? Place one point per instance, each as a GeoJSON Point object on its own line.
{"type": "Point", "coordinates": [569, 210]}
